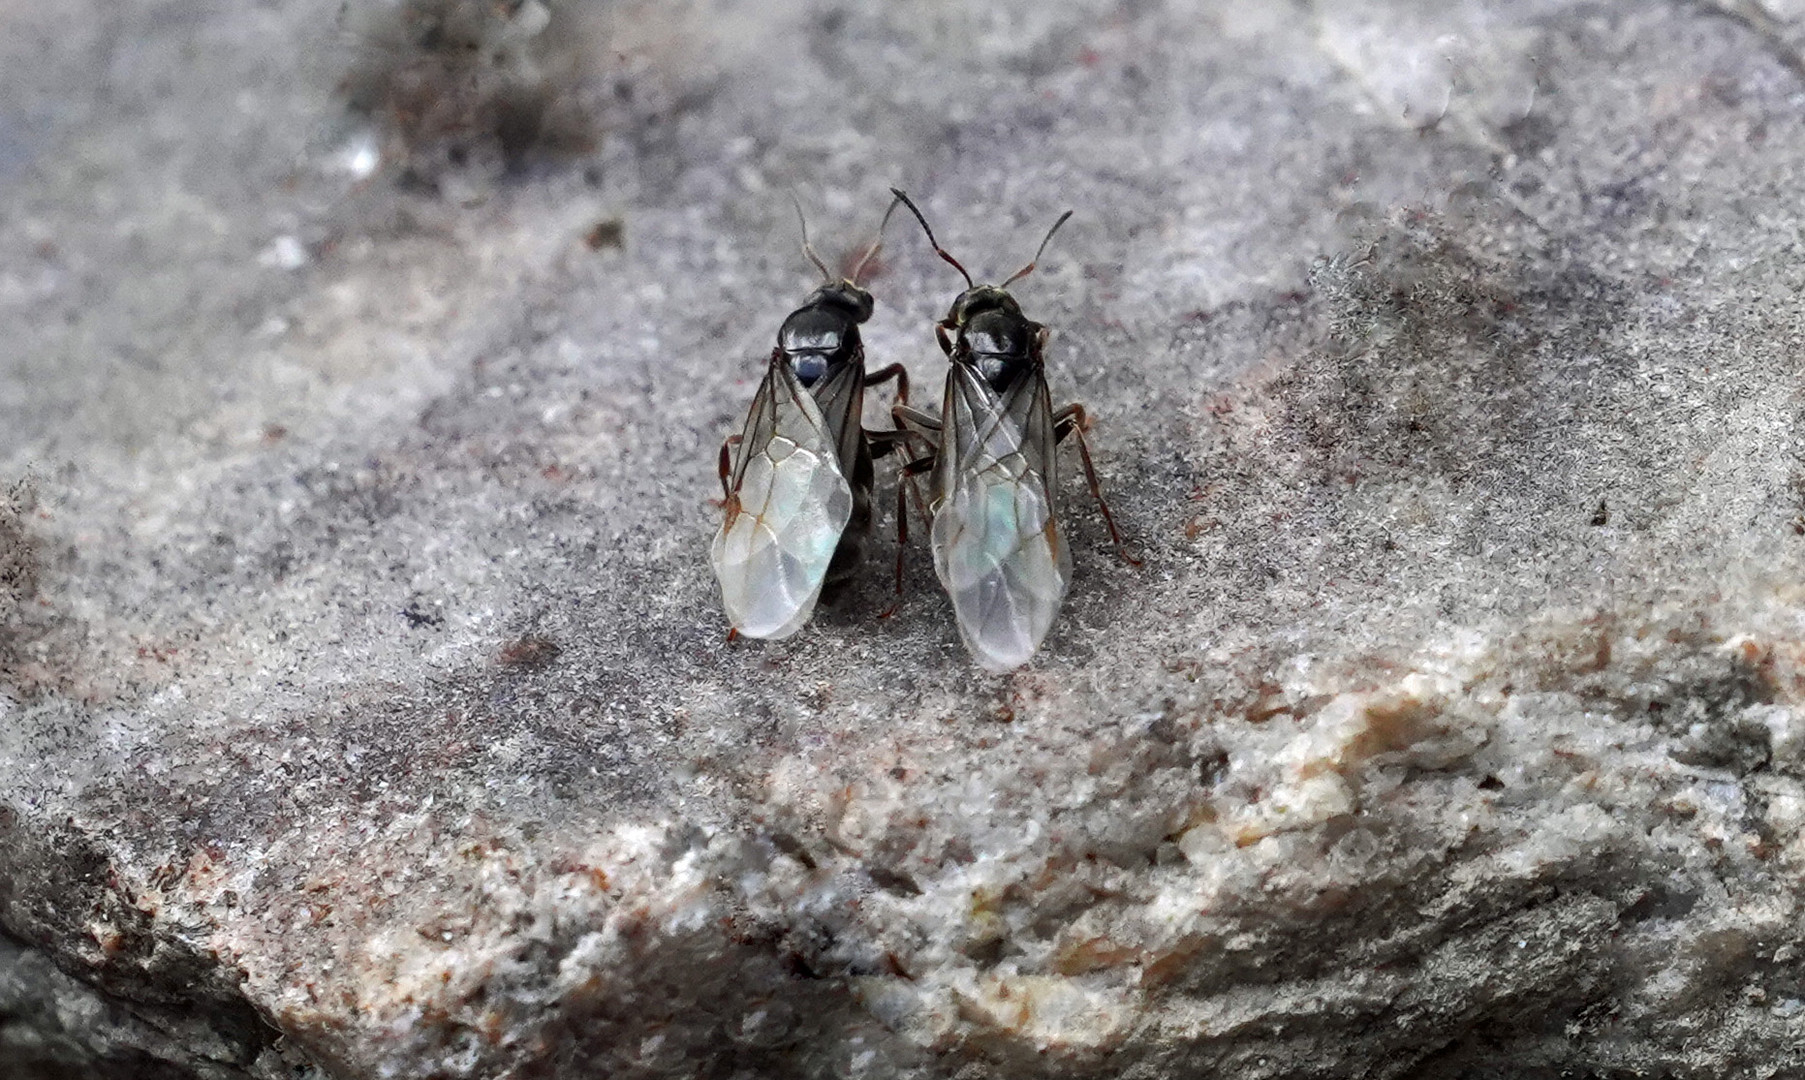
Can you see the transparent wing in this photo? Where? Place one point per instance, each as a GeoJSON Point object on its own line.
{"type": "Point", "coordinates": [996, 540]}
{"type": "Point", "coordinates": [841, 397]}
{"type": "Point", "coordinates": [788, 505]}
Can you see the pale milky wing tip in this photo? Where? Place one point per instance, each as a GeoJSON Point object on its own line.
{"type": "Point", "coordinates": [772, 552]}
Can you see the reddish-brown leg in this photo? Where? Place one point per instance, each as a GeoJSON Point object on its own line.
{"type": "Point", "coordinates": [894, 371]}
{"type": "Point", "coordinates": [914, 430]}
{"type": "Point", "coordinates": [1074, 420]}
{"type": "Point", "coordinates": [727, 464]}
{"type": "Point", "coordinates": [905, 484]}
{"type": "Point", "coordinates": [915, 423]}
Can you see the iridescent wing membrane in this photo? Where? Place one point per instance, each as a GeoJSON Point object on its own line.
{"type": "Point", "coordinates": [996, 541]}
{"type": "Point", "coordinates": [788, 502]}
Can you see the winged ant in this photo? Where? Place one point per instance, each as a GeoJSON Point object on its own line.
{"type": "Point", "coordinates": [797, 495]}
{"type": "Point", "coordinates": [994, 526]}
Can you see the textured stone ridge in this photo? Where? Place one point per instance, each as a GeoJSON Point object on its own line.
{"type": "Point", "coordinates": [364, 708]}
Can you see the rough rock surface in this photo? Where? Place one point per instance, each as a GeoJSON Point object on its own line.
{"type": "Point", "coordinates": [366, 711]}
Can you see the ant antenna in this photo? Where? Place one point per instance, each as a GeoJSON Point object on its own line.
{"type": "Point", "coordinates": [871, 252]}
{"type": "Point", "coordinates": [1038, 252]}
{"type": "Point", "coordinates": [938, 250]}
{"type": "Point", "coordinates": [806, 249]}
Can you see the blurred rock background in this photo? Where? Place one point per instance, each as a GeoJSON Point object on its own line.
{"type": "Point", "coordinates": [364, 704]}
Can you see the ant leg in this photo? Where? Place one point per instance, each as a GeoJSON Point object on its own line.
{"type": "Point", "coordinates": [894, 371]}
{"type": "Point", "coordinates": [1072, 420]}
{"type": "Point", "coordinates": [902, 546]}
{"type": "Point", "coordinates": [883, 443]}
{"type": "Point", "coordinates": [946, 343]}
{"type": "Point", "coordinates": [916, 468]}
{"type": "Point", "coordinates": [920, 424]}
{"type": "Point", "coordinates": [914, 429]}
{"type": "Point", "coordinates": [919, 430]}
{"type": "Point", "coordinates": [905, 484]}
{"type": "Point", "coordinates": [727, 463]}
{"type": "Point", "coordinates": [733, 634]}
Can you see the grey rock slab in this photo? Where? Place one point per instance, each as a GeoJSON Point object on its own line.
{"type": "Point", "coordinates": [367, 711]}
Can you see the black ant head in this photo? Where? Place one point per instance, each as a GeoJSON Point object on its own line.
{"type": "Point", "coordinates": [843, 296]}
{"type": "Point", "coordinates": [823, 333]}
{"type": "Point", "coordinates": [982, 300]}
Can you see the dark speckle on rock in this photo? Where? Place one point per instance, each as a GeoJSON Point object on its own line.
{"type": "Point", "coordinates": [608, 233]}
{"type": "Point", "coordinates": [422, 614]}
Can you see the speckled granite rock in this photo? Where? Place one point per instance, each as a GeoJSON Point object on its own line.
{"type": "Point", "coordinates": [367, 712]}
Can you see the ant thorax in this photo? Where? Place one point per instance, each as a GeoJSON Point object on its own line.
{"type": "Point", "coordinates": [817, 338]}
